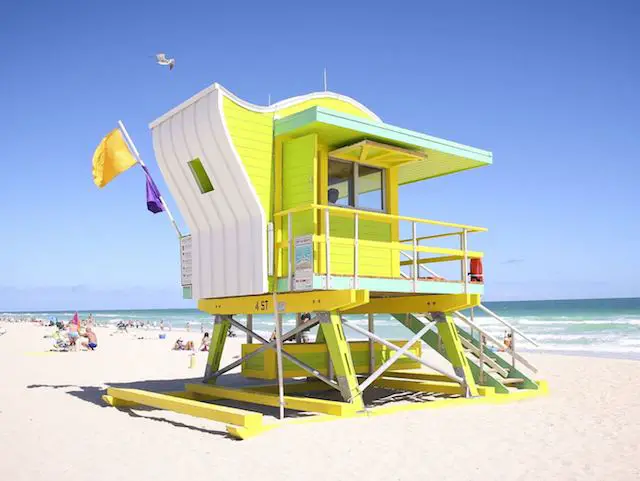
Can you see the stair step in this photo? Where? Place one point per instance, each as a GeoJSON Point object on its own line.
{"type": "Point", "coordinates": [511, 380]}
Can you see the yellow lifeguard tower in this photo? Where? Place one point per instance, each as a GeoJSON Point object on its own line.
{"type": "Point", "coordinates": [293, 210]}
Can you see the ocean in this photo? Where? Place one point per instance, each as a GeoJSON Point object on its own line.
{"type": "Point", "coordinates": [605, 327]}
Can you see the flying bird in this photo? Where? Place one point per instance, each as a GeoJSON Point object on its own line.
{"type": "Point", "coordinates": [161, 59]}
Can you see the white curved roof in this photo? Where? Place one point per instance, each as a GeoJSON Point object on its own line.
{"type": "Point", "coordinates": [262, 108]}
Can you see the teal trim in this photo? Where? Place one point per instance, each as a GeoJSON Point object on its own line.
{"type": "Point", "coordinates": [388, 285]}
{"type": "Point", "coordinates": [186, 293]}
{"type": "Point", "coordinates": [300, 122]}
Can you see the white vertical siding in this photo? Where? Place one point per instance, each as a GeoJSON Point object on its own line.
{"type": "Point", "coordinates": [227, 225]}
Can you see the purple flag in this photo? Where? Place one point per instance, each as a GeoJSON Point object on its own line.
{"type": "Point", "coordinates": [153, 194]}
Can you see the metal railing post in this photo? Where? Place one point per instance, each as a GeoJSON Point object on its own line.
{"type": "Point", "coordinates": [465, 261]}
{"type": "Point", "coordinates": [414, 273]}
{"type": "Point", "coordinates": [472, 320]}
{"type": "Point", "coordinates": [513, 349]}
{"type": "Point", "coordinates": [481, 357]}
{"type": "Point", "coordinates": [355, 252]}
{"type": "Point", "coordinates": [327, 248]}
{"type": "Point", "coordinates": [289, 244]}
{"type": "Point", "coordinates": [372, 353]}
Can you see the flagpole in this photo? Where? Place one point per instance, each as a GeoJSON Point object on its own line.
{"type": "Point", "coordinates": [142, 164]}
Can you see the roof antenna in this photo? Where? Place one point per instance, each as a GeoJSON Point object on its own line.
{"type": "Point", "coordinates": [269, 99]}
{"type": "Point", "coordinates": [325, 79]}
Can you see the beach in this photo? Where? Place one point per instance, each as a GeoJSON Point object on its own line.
{"type": "Point", "coordinates": [54, 424]}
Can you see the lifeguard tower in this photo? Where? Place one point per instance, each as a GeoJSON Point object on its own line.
{"type": "Point", "coordinates": [293, 211]}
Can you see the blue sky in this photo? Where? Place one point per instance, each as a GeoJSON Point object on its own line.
{"type": "Point", "coordinates": [551, 88]}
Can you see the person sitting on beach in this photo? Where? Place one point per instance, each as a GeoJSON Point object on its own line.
{"type": "Point", "coordinates": [204, 344]}
{"type": "Point", "coordinates": [506, 341]}
{"type": "Point", "coordinates": [92, 339]}
{"type": "Point", "coordinates": [180, 345]}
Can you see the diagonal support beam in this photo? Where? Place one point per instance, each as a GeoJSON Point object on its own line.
{"type": "Point", "coordinates": [285, 354]}
{"type": "Point", "coordinates": [221, 327]}
{"type": "Point", "coordinates": [340, 357]}
{"type": "Point", "coordinates": [407, 354]}
{"type": "Point", "coordinates": [272, 345]}
{"type": "Point", "coordinates": [454, 350]}
{"type": "Point", "coordinates": [395, 357]}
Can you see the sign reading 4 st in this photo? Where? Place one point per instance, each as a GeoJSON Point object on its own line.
{"type": "Point", "coordinates": [262, 305]}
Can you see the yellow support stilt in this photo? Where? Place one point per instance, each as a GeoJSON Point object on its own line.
{"type": "Point", "coordinates": [221, 327]}
{"type": "Point", "coordinates": [340, 356]}
{"type": "Point", "coordinates": [454, 350]}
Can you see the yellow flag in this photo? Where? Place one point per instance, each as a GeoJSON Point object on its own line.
{"type": "Point", "coordinates": [111, 158]}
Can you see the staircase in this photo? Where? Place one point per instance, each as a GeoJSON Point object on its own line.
{"type": "Point", "coordinates": [491, 362]}
{"type": "Point", "coordinates": [501, 367]}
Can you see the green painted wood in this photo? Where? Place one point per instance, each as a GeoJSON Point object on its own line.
{"type": "Point", "coordinates": [221, 328]}
{"type": "Point", "coordinates": [414, 325]}
{"type": "Point", "coordinates": [331, 325]}
{"type": "Point", "coordinates": [454, 350]}
{"type": "Point", "coordinates": [445, 342]}
{"type": "Point", "coordinates": [528, 383]}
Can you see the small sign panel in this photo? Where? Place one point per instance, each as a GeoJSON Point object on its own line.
{"type": "Point", "coordinates": [303, 267]}
{"type": "Point", "coordinates": [186, 267]}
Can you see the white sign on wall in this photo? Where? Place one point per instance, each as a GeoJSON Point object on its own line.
{"type": "Point", "coordinates": [186, 256]}
{"type": "Point", "coordinates": [303, 267]}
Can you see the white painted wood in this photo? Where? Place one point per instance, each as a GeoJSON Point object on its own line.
{"type": "Point", "coordinates": [228, 226]}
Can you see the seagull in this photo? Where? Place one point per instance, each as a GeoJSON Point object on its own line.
{"type": "Point", "coordinates": [161, 59]}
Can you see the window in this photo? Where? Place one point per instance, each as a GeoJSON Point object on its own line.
{"type": "Point", "coordinates": [200, 176]}
{"type": "Point", "coordinates": [341, 191]}
{"type": "Point", "coordinates": [356, 185]}
{"type": "Point", "coordinates": [370, 188]}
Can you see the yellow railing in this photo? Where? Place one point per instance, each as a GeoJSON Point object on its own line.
{"type": "Point", "coordinates": [412, 245]}
{"type": "Point", "coordinates": [365, 214]}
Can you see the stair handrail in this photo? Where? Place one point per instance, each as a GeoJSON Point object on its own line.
{"type": "Point", "coordinates": [506, 323]}
{"type": "Point", "coordinates": [488, 336]}
{"type": "Point", "coordinates": [420, 266]}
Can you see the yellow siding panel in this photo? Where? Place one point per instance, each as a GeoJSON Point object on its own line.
{"type": "Point", "coordinates": [299, 169]}
{"type": "Point", "coordinates": [372, 261]}
{"type": "Point", "coordinates": [252, 136]}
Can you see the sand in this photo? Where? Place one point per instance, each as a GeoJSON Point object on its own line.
{"type": "Point", "coordinates": [53, 425]}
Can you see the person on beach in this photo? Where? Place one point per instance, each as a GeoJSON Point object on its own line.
{"type": "Point", "coordinates": [204, 344]}
{"type": "Point", "coordinates": [73, 333]}
{"type": "Point", "coordinates": [180, 345]}
{"type": "Point", "coordinates": [92, 340]}
{"type": "Point", "coordinates": [506, 341]}
{"type": "Point", "coordinates": [162, 325]}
